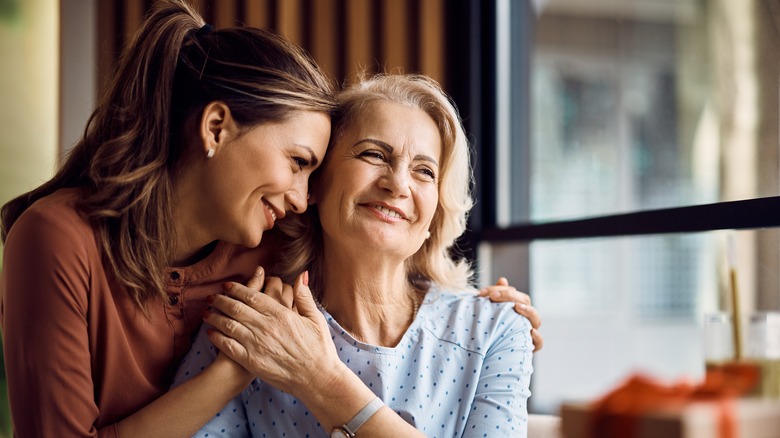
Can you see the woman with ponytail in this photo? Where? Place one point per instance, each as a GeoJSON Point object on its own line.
{"type": "Point", "coordinates": [202, 140]}
{"type": "Point", "coordinates": [101, 288]}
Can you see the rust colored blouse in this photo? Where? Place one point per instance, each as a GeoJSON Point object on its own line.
{"type": "Point", "coordinates": [79, 354]}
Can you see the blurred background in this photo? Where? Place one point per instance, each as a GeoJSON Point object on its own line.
{"type": "Point", "coordinates": [576, 111]}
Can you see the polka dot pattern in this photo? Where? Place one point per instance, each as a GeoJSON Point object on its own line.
{"type": "Point", "coordinates": [463, 368]}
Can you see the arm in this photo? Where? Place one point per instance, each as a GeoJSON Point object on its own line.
{"type": "Point", "coordinates": [185, 409]}
{"type": "Point", "coordinates": [500, 405]}
{"type": "Point", "coordinates": [502, 292]}
{"type": "Point", "coordinates": [45, 302]}
{"type": "Point", "coordinates": [231, 419]}
{"type": "Point", "coordinates": [44, 305]}
{"type": "Point", "coordinates": [198, 396]}
{"type": "Point", "coordinates": [293, 351]}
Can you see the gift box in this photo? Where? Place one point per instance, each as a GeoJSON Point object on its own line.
{"type": "Point", "coordinates": [641, 407]}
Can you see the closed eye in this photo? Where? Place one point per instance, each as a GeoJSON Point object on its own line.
{"type": "Point", "coordinates": [373, 154]}
{"type": "Point", "coordinates": [428, 172]}
{"type": "Point", "coordinates": [301, 162]}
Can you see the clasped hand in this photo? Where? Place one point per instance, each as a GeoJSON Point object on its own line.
{"type": "Point", "coordinates": [279, 336]}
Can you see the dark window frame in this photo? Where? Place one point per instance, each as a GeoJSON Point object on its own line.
{"type": "Point", "coordinates": [472, 71]}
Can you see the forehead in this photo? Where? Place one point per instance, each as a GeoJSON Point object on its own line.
{"type": "Point", "coordinates": [399, 125]}
{"type": "Point", "coordinates": [307, 129]}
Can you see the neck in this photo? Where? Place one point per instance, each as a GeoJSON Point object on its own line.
{"type": "Point", "coordinates": [193, 242]}
{"type": "Point", "coordinates": [190, 257]}
{"type": "Point", "coordinates": [371, 299]}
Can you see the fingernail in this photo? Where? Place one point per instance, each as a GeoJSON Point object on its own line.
{"type": "Point", "coordinates": [206, 313]}
{"type": "Point", "coordinates": [210, 331]}
{"type": "Point", "coordinates": [210, 299]}
{"type": "Point", "coordinates": [306, 278]}
{"type": "Point", "coordinates": [495, 294]}
{"type": "Point", "coordinates": [523, 307]}
{"type": "Point", "coordinates": [226, 286]}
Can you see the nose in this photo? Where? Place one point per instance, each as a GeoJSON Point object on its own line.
{"type": "Point", "coordinates": [296, 197]}
{"type": "Point", "coordinates": [396, 181]}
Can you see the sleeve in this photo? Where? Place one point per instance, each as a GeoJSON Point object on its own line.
{"type": "Point", "coordinates": [500, 405]}
{"type": "Point", "coordinates": [201, 355]}
{"type": "Point", "coordinates": [45, 289]}
{"type": "Point", "coordinates": [231, 421]}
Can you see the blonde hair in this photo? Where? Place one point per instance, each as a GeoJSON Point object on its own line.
{"type": "Point", "coordinates": [434, 262]}
{"type": "Point", "coordinates": [139, 135]}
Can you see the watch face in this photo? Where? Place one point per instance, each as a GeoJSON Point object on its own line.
{"type": "Point", "coordinates": [338, 433]}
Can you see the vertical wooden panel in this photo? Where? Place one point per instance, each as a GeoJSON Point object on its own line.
{"type": "Point", "coordinates": [202, 7]}
{"type": "Point", "coordinates": [395, 36]}
{"type": "Point", "coordinates": [256, 13]}
{"type": "Point", "coordinates": [108, 41]}
{"type": "Point", "coordinates": [359, 37]}
{"type": "Point", "coordinates": [323, 42]}
{"type": "Point", "coordinates": [199, 5]}
{"type": "Point", "coordinates": [289, 20]}
{"type": "Point", "coordinates": [225, 13]}
{"type": "Point", "coordinates": [344, 36]}
{"type": "Point", "coordinates": [133, 12]}
{"type": "Point", "coordinates": [432, 52]}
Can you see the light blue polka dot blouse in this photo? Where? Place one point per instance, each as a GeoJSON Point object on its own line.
{"type": "Point", "coordinates": [462, 369]}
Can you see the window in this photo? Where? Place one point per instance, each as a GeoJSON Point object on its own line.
{"type": "Point", "coordinates": [619, 143]}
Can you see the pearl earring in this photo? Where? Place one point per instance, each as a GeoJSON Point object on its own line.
{"type": "Point", "coordinates": [427, 235]}
{"type": "Point", "coordinates": [210, 153]}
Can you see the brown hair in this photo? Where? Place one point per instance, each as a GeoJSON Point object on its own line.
{"type": "Point", "coordinates": [137, 138]}
{"type": "Point", "coordinates": [434, 262]}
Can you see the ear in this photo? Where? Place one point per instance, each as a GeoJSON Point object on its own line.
{"type": "Point", "coordinates": [216, 126]}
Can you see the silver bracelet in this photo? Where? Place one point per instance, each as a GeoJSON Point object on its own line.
{"type": "Point", "coordinates": [349, 429]}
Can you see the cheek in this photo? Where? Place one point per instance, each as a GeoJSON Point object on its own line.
{"type": "Point", "coordinates": [430, 203]}
{"type": "Point", "coordinates": [278, 177]}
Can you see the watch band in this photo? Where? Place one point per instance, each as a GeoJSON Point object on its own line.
{"type": "Point", "coordinates": [361, 417]}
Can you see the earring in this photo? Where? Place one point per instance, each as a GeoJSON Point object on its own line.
{"type": "Point", "coordinates": [210, 153]}
{"type": "Point", "coordinates": [427, 235]}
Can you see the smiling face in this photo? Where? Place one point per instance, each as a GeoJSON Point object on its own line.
{"type": "Point", "coordinates": [379, 186]}
{"type": "Point", "coordinates": [258, 174]}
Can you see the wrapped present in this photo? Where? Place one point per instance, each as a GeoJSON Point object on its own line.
{"type": "Point", "coordinates": [642, 407]}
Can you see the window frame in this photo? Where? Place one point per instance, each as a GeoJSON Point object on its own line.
{"type": "Point", "coordinates": [472, 43]}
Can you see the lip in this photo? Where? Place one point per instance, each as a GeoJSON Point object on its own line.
{"type": "Point", "coordinates": [374, 208]}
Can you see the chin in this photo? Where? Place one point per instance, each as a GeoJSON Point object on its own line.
{"type": "Point", "coordinates": [252, 241]}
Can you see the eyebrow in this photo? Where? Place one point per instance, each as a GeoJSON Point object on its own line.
{"type": "Point", "coordinates": [390, 149]}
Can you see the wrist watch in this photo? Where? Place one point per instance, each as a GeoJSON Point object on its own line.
{"type": "Point", "coordinates": [348, 430]}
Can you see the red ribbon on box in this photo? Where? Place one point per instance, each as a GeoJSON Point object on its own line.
{"type": "Point", "coordinates": [616, 414]}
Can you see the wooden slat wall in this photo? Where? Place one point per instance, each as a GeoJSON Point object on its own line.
{"type": "Point", "coordinates": [323, 43]}
{"type": "Point", "coordinates": [255, 13]}
{"type": "Point", "coordinates": [431, 38]}
{"type": "Point", "coordinates": [396, 30]}
{"type": "Point", "coordinates": [344, 36]}
{"type": "Point", "coordinates": [359, 35]}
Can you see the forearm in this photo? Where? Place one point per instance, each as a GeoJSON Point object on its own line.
{"type": "Point", "coordinates": [183, 410]}
{"type": "Point", "coordinates": [293, 351]}
{"type": "Point", "coordinates": [340, 395]}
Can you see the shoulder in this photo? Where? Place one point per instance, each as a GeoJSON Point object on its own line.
{"type": "Point", "coordinates": [57, 216]}
{"type": "Point", "coordinates": [50, 256]}
{"type": "Point", "coordinates": [51, 236]}
{"type": "Point", "coordinates": [464, 318]}
{"type": "Point", "coordinates": [466, 304]}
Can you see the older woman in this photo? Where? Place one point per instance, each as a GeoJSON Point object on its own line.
{"type": "Point", "coordinates": [391, 199]}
